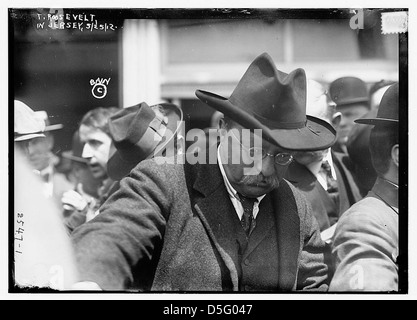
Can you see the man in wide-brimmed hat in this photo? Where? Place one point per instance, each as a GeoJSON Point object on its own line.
{"type": "Point", "coordinates": [229, 225]}
{"type": "Point", "coordinates": [365, 244]}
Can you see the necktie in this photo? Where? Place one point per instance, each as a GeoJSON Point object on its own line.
{"type": "Point", "coordinates": [332, 187]}
{"type": "Point", "coordinates": [247, 221]}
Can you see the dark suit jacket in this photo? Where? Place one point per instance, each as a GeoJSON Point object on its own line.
{"type": "Point", "coordinates": [162, 230]}
{"type": "Point", "coordinates": [323, 209]}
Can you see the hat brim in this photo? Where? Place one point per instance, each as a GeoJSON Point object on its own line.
{"type": "Point", "coordinates": [348, 102]}
{"type": "Point", "coordinates": [69, 155]}
{"type": "Point", "coordinates": [317, 134]}
{"type": "Point", "coordinates": [53, 127]}
{"type": "Point", "coordinates": [29, 136]}
{"type": "Point", "coordinates": [118, 167]}
{"type": "Point", "coordinates": [376, 121]}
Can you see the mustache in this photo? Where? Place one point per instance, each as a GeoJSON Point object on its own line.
{"type": "Point", "coordinates": [273, 181]}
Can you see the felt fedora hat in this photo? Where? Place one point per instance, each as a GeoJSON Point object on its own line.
{"type": "Point", "coordinates": [348, 90]}
{"type": "Point", "coordinates": [26, 124]}
{"type": "Point", "coordinates": [388, 108]}
{"type": "Point", "coordinates": [275, 102]}
{"type": "Point", "coordinates": [138, 133]}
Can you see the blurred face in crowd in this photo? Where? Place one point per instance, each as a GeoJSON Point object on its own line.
{"type": "Point", "coordinates": [83, 175]}
{"type": "Point", "coordinates": [307, 157]}
{"type": "Point", "coordinates": [96, 150]}
{"type": "Point", "coordinates": [265, 173]}
{"type": "Point", "coordinates": [349, 114]}
{"type": "Point", "coordinates": [37, 151]}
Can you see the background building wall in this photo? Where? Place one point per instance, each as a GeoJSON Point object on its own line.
{"type": "Point", "coordinates": [167, 54]}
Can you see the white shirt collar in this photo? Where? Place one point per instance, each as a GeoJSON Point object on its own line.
{"type": "Point", "coordinates": [315, 169]}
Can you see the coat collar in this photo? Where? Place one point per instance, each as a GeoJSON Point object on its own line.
{"type": "Point", "coordinates": [288, 230]}
{"type": "Point", "coordinates": [387, 192]}
{"type": "Point", "coordinates": [212, 205]}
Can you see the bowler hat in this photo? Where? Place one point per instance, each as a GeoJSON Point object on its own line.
{"type": "Point", "coordinates": [26, 124]}
{"type": "Point", "coordinates": [348, 90]}
{"type": "Point", "coordinates": [138, 133]}
{"type": "Point", "coordinates": [388, 108]}
{"type": "Point", "coordinates": [275, 102]}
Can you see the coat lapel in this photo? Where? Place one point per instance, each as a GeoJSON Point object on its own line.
{"type": "Point", "coordinates": [348, 190]}
{"type": "Point", "coordinates": [214, 208]}
{"type": "Point", "coordinates": [288, 232]}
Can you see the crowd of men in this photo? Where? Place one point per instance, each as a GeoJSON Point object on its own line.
{"type": "Point", "coordinates": [296, 188]}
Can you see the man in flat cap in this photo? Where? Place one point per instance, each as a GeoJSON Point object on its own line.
{"type": "Point", "coordinates": [229, 222]}
{"type": "Point", "coordinates": [365, 243]}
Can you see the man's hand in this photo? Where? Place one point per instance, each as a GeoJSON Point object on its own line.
{"type": "Point", "coordinates": [76, 199]}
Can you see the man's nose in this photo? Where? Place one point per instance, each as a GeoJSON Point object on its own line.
{"type": "Point", "coordinates": [268, 166]}
{"type": "Point", "coordinates": [88, 152]}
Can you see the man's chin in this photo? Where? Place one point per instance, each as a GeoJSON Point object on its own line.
{"type": "Point", "coordinates": [98, 173]}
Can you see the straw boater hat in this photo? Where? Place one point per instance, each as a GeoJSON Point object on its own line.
{"type": "Point", "coordinates": [268, 99]}
{"type": "Point", "coordinates": [139, 134]}
{"type": "Point", "coordinates": [26, 124]}
{"type": "Point", "coordinates": [48, 126]}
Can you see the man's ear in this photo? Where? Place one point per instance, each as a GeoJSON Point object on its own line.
{"type": "Point", "coordinates": [336, 119]}
{"type": "Point", "coordinates": [395, 154]}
